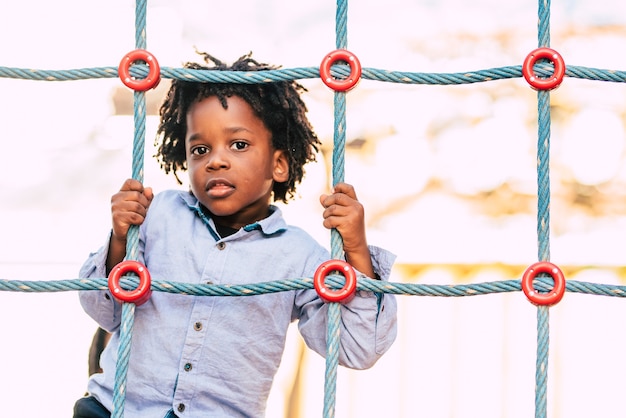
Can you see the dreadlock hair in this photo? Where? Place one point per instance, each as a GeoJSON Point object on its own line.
{"type": "Point", "coordinates": [277, 104]}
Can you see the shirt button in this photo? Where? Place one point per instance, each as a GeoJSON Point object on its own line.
{"type": "Point", "coordinates": [181, 407]}
{"type": "Point", "coordinates": [188, 367]}
{"type": "Point", "coordinates": [221, 245]}
{"type": "Point", "coordinates": [197, 326]}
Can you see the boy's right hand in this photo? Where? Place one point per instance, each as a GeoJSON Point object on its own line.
{"type": "Point", "coordinates": [129, 207]}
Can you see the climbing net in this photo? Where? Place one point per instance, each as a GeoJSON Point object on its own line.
{"type": "Point", "coordinates": [543, 282]}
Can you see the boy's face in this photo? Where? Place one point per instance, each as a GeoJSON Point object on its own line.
{"type": "Point", "coordinates": [232, 164]}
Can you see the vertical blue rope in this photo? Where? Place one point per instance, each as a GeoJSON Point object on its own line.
{"type": "Point", "coordinates": [338, 170]}
{"type": "Point", "coordinates": [140, 24]}
{"type": "Point", "coordinates": [339, 157]}
{"type": "Point", "coordinates": [543, 33]}
{"type": "Point", "coordinates": [334, 309]}
{"type": "Point", "coordinates": [541, 373]}
{"type": "Point", "coordinates": [543, 145]}
{"type": "Point", "coordinates": [128, 309]}
{"type": "Point", "coordinates": [543, 219]}
{"type": "Point", "coordinates": [123, 355]}
{"type": "Point", "coordinates": [543, 176]}
{"type": "Point", "coordinates": [139, 141]}
{"type": "Point", "coordinates": [332, 358]}
{"type": "Point", "coordinates": [341, 24]}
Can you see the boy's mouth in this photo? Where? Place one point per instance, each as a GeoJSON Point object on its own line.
{"type": "Point", "coordinates": [219, 188]}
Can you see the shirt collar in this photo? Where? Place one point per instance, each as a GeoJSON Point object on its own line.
{"type": "Point", "coordinates": [273, 224]}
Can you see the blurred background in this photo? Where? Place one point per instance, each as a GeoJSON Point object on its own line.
{"type": "Point", "coordinates": [447, 175]}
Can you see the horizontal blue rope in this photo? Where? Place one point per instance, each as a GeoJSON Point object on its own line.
{"type": "Point", "coordinates": [254, 77]}
{"type": "Point", "coordinates": [333, 282]}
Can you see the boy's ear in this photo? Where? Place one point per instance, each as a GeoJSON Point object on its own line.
{"type": "Point", "coordinates": [281, 166]}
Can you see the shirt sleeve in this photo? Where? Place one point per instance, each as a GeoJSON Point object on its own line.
{"type": "Point", "coordinates": [99, 304]}
{"type": "Point", "coordinates": [368, 323]}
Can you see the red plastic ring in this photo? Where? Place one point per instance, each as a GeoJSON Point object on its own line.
{"type": "Point", "coordinates": [544, 299]}
{"type": "Point", "coordinates": [154, 73]}
{"type": "Point", "coordinates": [141, 294]}
{"type": "Point", "coordinates": [544, 83]}
{"type": "Point", "coordinates": [346, 293]}
{"type": "Point", "coordinates": [355, 70]}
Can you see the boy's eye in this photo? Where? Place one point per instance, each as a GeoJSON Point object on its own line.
{"type": "Point", "coordinates": [239, 145]}
{"type": "Point", "coordinates": [199, 150]}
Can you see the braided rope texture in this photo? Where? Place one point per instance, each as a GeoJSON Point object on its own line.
{"type": "Point", "coordinates": [303, 73]}
{"type": "Point", "coordinates": [541, 284]}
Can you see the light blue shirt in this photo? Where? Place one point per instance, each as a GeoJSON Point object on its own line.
{"type": "Point", "coordinates": [202, 356]}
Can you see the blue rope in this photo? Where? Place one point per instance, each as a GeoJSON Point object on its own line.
{"type": "Point", "coordinates": [123, 358]}
{"type": "Point", "coordinates": [132, 247]}
{"type": "Point", "coordinates": [543, 176]}
{"type": "Point", "coordinates": [543, 219]}
{"type": "Point", "coordinates": [303, 73]}
{"type": "Point", "coordinates": [543, 23]}
{"type": "Point", "coordinates": [333, 334]}
{"type": "Point", "coordinates": [336, 243]}
{"type": "Point", "coordinates": [541, 368]}
{"type": "Point", "coordinates": [341, 24]}
{"type": "Point", "coordinates": [338, 162]}
{"type": "Point", "coordinates": [141, 8]}
{"type": "Point", "coordinates": [541, 284]}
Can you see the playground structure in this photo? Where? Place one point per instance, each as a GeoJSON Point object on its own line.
{"type": "Point", "coordinates": [541, 70]}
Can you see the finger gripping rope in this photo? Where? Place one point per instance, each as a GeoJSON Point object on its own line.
{"type": "Point", "coordinates": [543, 299]}
{"type": "Point", "coordinates": [154, 73]}
{"type": "Point", "coordinates": [341, 85]}
{"type": "Point", "coordinates": [346, 293]}
{"type": "Point", "coordinates": [544, 83]}
{"type": "Point", "coordinates": [138, 296]}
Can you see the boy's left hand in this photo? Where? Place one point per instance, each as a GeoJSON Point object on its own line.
{"type": "Point", "coordinates": [345, 213]}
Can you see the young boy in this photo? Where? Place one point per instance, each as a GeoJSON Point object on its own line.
{"type": "Point", "coordinates": [243, 145]}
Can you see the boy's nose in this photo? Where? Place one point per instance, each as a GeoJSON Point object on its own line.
{"type": "Point", "coordinates": [217, 160]}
